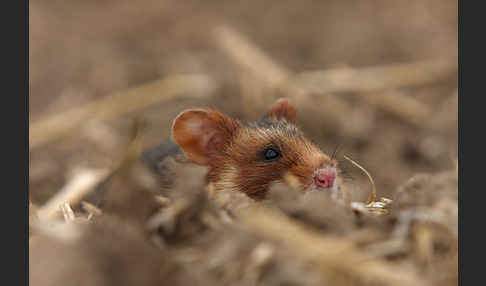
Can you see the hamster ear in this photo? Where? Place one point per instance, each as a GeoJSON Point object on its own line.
{"type": "Point", "coordinates": [282, 109]}
{"type": "Point", "coordinates": [202, 134]}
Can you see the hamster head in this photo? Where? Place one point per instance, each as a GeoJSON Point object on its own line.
{"type": "Point", "coordinates": [248, 157]}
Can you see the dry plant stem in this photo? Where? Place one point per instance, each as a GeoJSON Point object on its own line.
{"type": "Point", "coordinates": [163, 201]}
{"type": "Point", "coordinates": [253, 63]}
{"type": "Point", "coordinates": [257, 72]}
{"type": "Point", "coordinates": [251, 60]}
{"type": "Point", "coordinates": [249, 57]}
{"type": "Point", "coordinates": [332, 255]}
{"type": "Point", "coordinates": [67, 212]}
{"type": "Point", "coordinates": [372, 196]}
{"type": "Point", "coordinates": [406, 108]}
{"type": "Point", "coordinates": [424, 244]}
{"type": "Point", "coordinates": [387, 247]}
{"type": "Point", "coordinates": [81, 185]}
{"type": "Point", "coordinates": [109, 107]}
{"type": "Point", "coordinates": [378, 78]}
{"type": "Point", "coordinates": [91, 209]}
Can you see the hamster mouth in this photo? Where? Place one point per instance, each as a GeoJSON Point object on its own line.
{"type": "Point", "coordinates": [333, 191]}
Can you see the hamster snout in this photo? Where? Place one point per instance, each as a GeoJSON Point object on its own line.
{"type": "Point", "coordinates": [324, 177]}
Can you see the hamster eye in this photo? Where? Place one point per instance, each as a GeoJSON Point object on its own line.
{"type": "Point", "coordinates": [271, 154]}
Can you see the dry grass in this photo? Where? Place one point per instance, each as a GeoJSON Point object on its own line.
{"type": "Point", "coordinates": [376, 79]}
{"type": "Point", "coordinates": [228, 239]}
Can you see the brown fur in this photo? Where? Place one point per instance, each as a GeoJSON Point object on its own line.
{"type": "Point", "coordinates": [233, 151]}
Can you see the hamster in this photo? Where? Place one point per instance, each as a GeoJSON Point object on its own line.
{"type": "Point", "coordinates": [248, 157]}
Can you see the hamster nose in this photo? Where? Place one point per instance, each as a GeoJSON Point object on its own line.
{"type": "Point", "coordinates": [324, 177]}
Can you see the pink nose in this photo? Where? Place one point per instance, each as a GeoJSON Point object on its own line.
{"type": "Point", "coordinates": [324, 178]}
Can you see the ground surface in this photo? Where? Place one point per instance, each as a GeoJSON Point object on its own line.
{"type": "Point", "coordinates": [399, 122]}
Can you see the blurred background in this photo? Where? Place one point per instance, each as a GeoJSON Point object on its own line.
{"type": "Point", "coordinates": [378, 79]}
